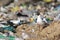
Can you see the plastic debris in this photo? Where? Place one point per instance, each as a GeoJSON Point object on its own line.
{"type": "Point", "coordinates": [25, 36]}
{"type": "Point", "coordinates": [24, 21]}
{"type": "Point", "coordinates": [47, 0]}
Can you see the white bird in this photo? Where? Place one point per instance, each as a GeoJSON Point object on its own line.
{"type": "Point", "coordinates": [15, 21]}
{"type": "Point", "coordinates": [39, 20]}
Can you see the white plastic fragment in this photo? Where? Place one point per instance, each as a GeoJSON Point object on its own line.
{"type": "Point", "coordinates": [18, 39]}
{"type": "Point", "coordinates": [25, 36]}
{"type": "Point", "coordinates": [11, 33]}
{"type": "Point", "coordinates": [3, 9]}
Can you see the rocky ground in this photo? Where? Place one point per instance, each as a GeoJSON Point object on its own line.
{"type": "Point", "coordinates": [52, 32]}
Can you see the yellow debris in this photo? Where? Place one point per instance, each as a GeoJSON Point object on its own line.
{"type": "Point", "coordinates": [47, 0]}
{"type": "Point", "coordinates": [14, 9]}
{"type": "Point", "coordinates": [31, 19]}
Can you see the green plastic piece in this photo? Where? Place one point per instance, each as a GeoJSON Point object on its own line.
{"type": "Point", "coordinates": [2, 37]}
{"type": "Point", "coordinates": [9, 28]}
{"type": "Point", "coordinates": [48, 19]}
{"type": "Point", "coordinates": [11, 38]}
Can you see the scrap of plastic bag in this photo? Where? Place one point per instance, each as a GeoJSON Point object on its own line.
{"type": "Point", "coordinates": [2, 36]}
{"type": "Point", "coordinates": [14, 9]}
{"type": "Point", "coordinates": [38, 7]}
{"type": "Point", "coordinates": [9, 28]}
{"type": "Point", "coordinates": [58, 0]}
{"type": "Point", "coordinates": [30, 7]}
{"type": "Point", "coordinates": [11, 38]}
{"type": "Point", "coordinates": [11, 33]}
{"type": "Point", "coordinates": [16, 0]}
{"type": "Point", "coordinates": [19, 39]}
{"type": "Point", "coordinates": [1, 25]}
{"type": "Point", "coordinates": [58, 7]}
{"type": "Point", "coordinates": [23, 5]}
{"type": "Point", "coordinates": [47, 0]}
{"type": "Point", "coordinates": [25, 36]}
{"type": "Point", "coordinates": [3, 9]}
{"type": "Point", "coordinates": [57, 17]}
